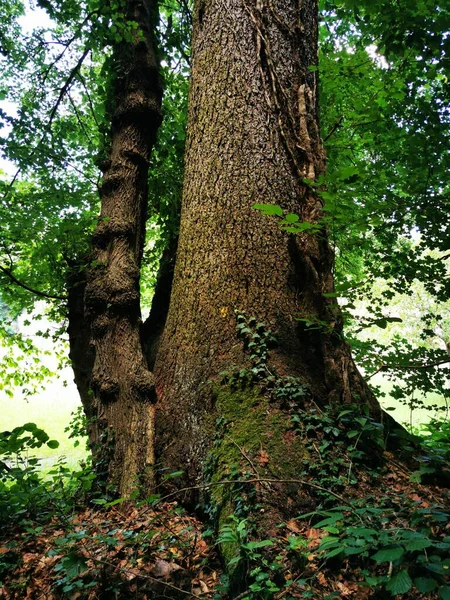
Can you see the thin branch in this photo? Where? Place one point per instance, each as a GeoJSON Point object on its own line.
{"type": "Point", "coordinates": [30, 289]}
{"type": "Point", "coordinates": [334, 128]}
{"type": "Point", "coordinates": [247, 458]}
{"type": "Point", "coordinates": [416, 366]}
{"type": "Point", "coordinates": [205, 486]}
{"type": "Point", "coordinates": [78, 118]}
{"type": "Point", "coordinates": [144, 576]}
{"type": "Point", "coordinates": [47, 127]}
{"type": "Point", "coordinates": [67, 45]}
{"type": "Point", "coordinates": [91, 104]}
{"type": "Point", "coordinates": [65, 88]}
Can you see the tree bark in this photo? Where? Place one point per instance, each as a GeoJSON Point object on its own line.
{"type": "Point", "coordinates": [81, 352]}
{"type": "Point", "coordinates": [253, 138]}
{"type": "Point", "coordinates": [121, 385]}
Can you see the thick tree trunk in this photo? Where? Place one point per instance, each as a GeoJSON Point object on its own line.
{"type": "Point", "coordinates": [122, 387]}
{"type": "Point", "coordinates": [253, 138]}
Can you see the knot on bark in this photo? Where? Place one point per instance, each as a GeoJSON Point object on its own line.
{"type": "Point", "coordinates": [143, 385]}
{"type": "Point", "coordinates": [111, 228]}
{"type": "Point", "coordinates": [105, 387]}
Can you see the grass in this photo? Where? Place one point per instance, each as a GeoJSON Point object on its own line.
{"type": "Point", "coordinates": [402, 412]}
{"type": "Point", "coordinates": [51, 411]}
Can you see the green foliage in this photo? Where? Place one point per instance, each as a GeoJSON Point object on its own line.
{"type": "Point", "coordinates": [27, 493]}
{"type": "Point", "coordinates": [385, 122]}
{"type": "Point", "coordinates": [434, 459]}
{"type": "Point", "coordinates": [258, 340]}
{"type": "Point", "coordinates": [259, 568]}
{"type": "Point", "coordinates": [289, 222]}
{"type": "Point", "coordinates": [77, 427]}
{"type": "Point", "coordinates": [391, 556]}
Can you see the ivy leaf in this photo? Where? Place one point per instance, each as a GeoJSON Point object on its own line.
{"type": "Point", "coordinates": [269, 209]}
{"type": "Point", "coordinates": [400, 583]}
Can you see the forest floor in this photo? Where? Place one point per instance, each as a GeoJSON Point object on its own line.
{"type": "Point", "coordinates": [386, 537]}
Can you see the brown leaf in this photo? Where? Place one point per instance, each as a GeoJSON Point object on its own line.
{"type": "Point", "coordinates": [292, 525]}
{"type": "Point", "coordinates": [163, 569]}
{"type": "Point", "coordinates": [312, 533]}
{"type": "Point", "coordinates": [262, 457]}
{"type": "Point", "coordinates": [28, 557]}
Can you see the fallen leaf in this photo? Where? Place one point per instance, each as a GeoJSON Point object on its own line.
{"type": "Point", "coordinates": [292, 525]}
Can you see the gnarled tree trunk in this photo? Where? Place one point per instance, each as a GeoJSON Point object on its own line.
{"type": "Point", "coordinates": [253, 138]}
{"type": "Point", "coordinates": [121, 385]}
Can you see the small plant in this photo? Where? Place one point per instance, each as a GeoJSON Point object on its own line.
{"type": "Point", "coordinates": [21, 486]}
{"type": "Point", "coordinates": [259, 568]}
{"type": "Point", "coordinates": [435, 458]}
{"type": "Point", "coordinates": [396, 548]}
{"type": "Point", "coordinates": [257, 342]}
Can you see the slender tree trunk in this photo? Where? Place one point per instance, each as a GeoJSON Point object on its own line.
{"type": "Point", "coordinates": [253, 138]}
{"type": "Point", "coordinates": [81, 352]}
{"type": "Point", "coordinates": [121, 385]}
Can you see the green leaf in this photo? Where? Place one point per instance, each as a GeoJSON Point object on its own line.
{"type": "Point", "coordinates": [53, 444]}
{"type": "Point", "coordinates": [418, 544]}
{"type": "Point", "coordinates": [260, 544]}
{"type": "Point", "coordinates": [399, 583]}
{"type": "Point", "coordinates": [425, 584]}
{"type": "Point", "coordinates": [334, 552]}
{"type": "Point", "coordinates": [388, 554]}
{"type": "Point", "coordinates": [31, 427]}
{"type": "Point", "coordinates": [291, 218]}
{"type": "Point", "coordinates": [269, 209]}
{"type": "Point", "coordinates": [173, 475]}
{"type": "Point", "coordinates": [444, 592]}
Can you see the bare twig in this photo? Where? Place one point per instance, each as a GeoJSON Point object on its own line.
{"type": "Point", "coordinates": [205, 486]}
{"type": "Point", "coordinates": [334, 128]}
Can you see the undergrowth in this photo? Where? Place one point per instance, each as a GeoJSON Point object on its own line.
{"type": "Point", "coordinates": [375, 531]}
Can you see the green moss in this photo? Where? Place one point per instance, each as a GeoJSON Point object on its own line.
{"type": "Point", "coordinates": [255, 438]}
{"type": "Point", "coordinates": [252, 425]}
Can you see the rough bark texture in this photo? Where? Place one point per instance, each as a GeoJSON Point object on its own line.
{"type": "Point", "coordinates": [121, 385]}
{"type": "Point", "coordinates": [81, 353]}
{"type": "Point", "coordinates": [153, 326]}
{"type": "Point", "coordinates": [253, 137]}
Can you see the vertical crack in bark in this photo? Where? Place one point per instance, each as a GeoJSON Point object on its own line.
{"type": "Point", "coordinates": [122, 386]}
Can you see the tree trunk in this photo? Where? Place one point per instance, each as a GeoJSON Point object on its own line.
{"type": "Point", "coordinates": [122, 387]}
{"type": "Point", "coordinates": [253, 138]}
{"type": "Point", "coordinates": [81, 352]}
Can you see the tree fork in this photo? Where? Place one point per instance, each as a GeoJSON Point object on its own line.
{"type": "Point", "coordinates": [122, 387]}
